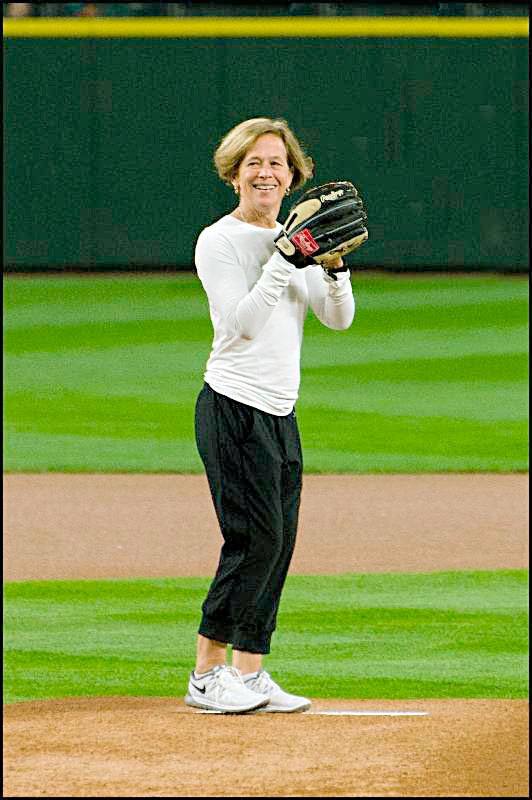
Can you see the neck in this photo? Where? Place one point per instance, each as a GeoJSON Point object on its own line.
{"type": "Point", "coordinates": [266, 219]}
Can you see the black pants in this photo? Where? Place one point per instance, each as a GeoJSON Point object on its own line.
{"type": "Point", "coordinates": [254, 468]}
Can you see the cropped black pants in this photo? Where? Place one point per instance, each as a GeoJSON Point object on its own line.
{"type": "Point", "coordinates": [254, 469]}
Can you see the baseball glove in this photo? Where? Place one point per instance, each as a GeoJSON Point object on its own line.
{"type": "Point", "coordinates": [326, 222]}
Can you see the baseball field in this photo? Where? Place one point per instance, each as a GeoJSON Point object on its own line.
{"type": "Point", "coordinates": [405, 614]}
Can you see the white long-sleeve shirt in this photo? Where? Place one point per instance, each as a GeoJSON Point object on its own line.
{"type": "Point", "coordinates": [258, 302]}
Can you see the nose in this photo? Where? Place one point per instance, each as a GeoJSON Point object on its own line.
{"type": "Point", "coordinates": [265, 171]}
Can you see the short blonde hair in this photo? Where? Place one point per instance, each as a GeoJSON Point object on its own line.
{"type": "Point", "coordinates": [236, 143]}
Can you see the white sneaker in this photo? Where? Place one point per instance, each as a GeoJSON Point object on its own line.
{"type": "Point", "coordinates": [279, 700]}
{"type": "Point", "coordinates": [222, 689]}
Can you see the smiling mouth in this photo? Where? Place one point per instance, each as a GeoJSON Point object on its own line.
{"type": "Point", "coordinates": [264, 188]}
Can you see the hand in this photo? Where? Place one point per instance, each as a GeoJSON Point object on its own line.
{"type": "Point", "coordinates": [333, 263]}
{"type": "Point", "coordinates": [292, 253]}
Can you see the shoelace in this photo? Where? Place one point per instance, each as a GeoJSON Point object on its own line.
{"type": "Point", "coordinates": [226, 675]}
{"type": "Point", "coordinates": [263, 682]}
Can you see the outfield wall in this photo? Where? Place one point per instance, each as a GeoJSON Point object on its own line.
{"type": "Point", "coordinates": [109, 136]}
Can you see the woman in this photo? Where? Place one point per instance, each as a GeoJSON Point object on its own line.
{"type": "Point", "coordinates": [246, 428]}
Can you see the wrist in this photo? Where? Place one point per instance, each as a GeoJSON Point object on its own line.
{"type": "Point", "coordinates": [331, 274]}
{"type": "Point", "coordinates": [278, 264]}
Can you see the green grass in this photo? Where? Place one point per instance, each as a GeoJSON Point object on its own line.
{"type": "Point", "coordinates": [101, 374]}
{"type": "Point", "coordinates": [435, 635]}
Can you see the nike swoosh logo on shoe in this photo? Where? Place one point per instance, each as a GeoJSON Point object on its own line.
{"type": "Point", "coordinates": [201, 689]}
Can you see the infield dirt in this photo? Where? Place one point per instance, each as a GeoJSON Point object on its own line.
{"type": "Point", "coordinates": [103, 526]}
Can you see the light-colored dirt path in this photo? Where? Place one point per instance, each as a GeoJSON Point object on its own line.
{"type": "Point", "coordinates": [112, 526]}
{"type": "Point", "coordinates": [98, 526]}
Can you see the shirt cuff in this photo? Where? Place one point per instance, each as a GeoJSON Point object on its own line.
{"type": "Point", "coordinates": [338, 279]}
{"type": "Point", "coordinates": [279, 265]}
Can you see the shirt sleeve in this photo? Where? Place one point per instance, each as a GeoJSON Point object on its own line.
{"type": "Point", "coordinates": [243, 312]}
{"type": "Point", "coordinates": [331, 300]}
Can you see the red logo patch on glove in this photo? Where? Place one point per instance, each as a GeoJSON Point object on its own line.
{"type": "Point", "coordinates": [305, 242]}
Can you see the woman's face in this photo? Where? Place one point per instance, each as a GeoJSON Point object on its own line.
{"type": "Point", "coordinates": [264, 175]}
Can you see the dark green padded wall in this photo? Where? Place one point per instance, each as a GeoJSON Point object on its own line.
{"type": "Point", "coordinates": [109, 142]}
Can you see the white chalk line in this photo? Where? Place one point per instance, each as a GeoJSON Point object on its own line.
{"type": "Point", "coordinates": [337, 713]}
{"type": "Point", "coordinates": [369, 713]}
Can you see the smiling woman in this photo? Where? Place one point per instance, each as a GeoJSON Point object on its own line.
{"type": "Point", "coordinates": [262, 160]}
{"type": "Point", "coordinates": [261, 181]}
{"type": "Point", "coordinates": [246, 428]}
{"type": "Point", "coordinates": [236, 144]}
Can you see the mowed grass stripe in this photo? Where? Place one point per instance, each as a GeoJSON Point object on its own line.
{"type": "Point", "coordinates": [106, 454]}
{"type": "Point", "coordinates": [108, 334]}
{"type": "Point", "coordinates": [39, 300]}
{"type": "Point", "coordinates": [449, 437]}
{"type": "Point", "coordinates": [358, 346]}
{"type": "Point", "coordinates": [498, 367]}
{"type": "Point", "coordinates": [452, 634]}
{"type": "Point", "coordinates": [441, 288]}
{"type": "Point", "coordinates": [103, 372]}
